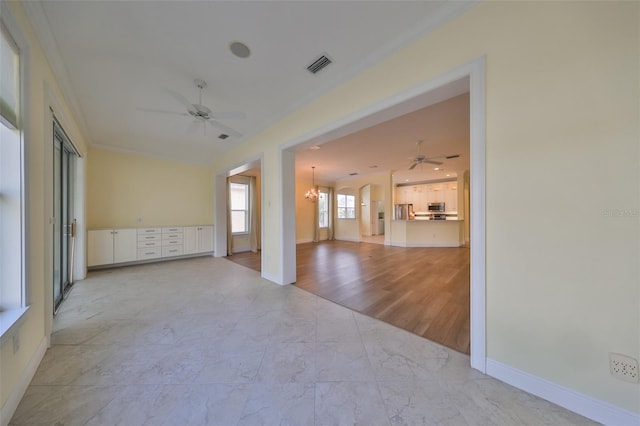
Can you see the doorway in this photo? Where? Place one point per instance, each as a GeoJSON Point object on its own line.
{"type": "Point", "coordinates": [473, 73]}
{"type": "Point", "coordinates": [64, 165]}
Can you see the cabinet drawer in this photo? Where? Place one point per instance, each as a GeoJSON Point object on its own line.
{"type": "Point", "coordinates": [174, 242]}
{"type": "Point", "coordinates": [149, 237]}
{"type": "Point", "coordinates": [172, 230]}
{"type": "Point", "coordinates": [149, 253]}
{"type": "Point", "coordinates": [144, 231]}
{"type": "Point", "coordinates": [172, 251]}
{"type": "Point", "coordinates": [172, 236]}
{"type": "Point", "coordinates": [147, 244]}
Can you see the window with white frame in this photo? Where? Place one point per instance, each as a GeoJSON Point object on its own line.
{"type": "Point", "coordinates": [239, 207]}
{"type": "Point", "coordinates": [346, 206]}
{"type": "Point", "coordinates": [323, 209]}
{"type": "Point", "coordinates": [12, 197]}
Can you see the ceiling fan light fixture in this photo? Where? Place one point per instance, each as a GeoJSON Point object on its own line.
{"type": "Point", "coordinates": [239, 49]}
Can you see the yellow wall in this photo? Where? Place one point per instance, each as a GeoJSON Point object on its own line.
{"type": "Point", "coordinates": [32, 330]}
{"type": "Point", "coordinates": [561, 129]}
{"type": "Point", "coordinates": [304, 213]}
{"type": "Point", "coordinates": [122, 188]}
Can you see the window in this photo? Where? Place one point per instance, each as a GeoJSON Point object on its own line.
{"type": "Point", "coordinates": [346, 206]}
{"type": "Point", "coordinates": [239, 207]}
{"type": "Point", "coordinates": [323, 209]}
{"type": "Point", "coordinates": [12, 206]}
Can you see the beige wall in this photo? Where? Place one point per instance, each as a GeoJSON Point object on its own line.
{"type": "Point", "coordinates": [561, 128]}
{"type": "Point", "coordinates": [304, 213]}
{"type": "Point", "coordinates": [122, 188]}
{"type": "Point", "coordinates": [38, 143]}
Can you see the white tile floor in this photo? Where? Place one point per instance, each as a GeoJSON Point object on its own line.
{"type": "Point", "coordinates": [206, 341]}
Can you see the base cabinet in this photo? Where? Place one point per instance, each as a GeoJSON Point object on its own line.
{"type": "Point", "coordinates": [107, 246]}
{"type": "Point", "coordinates": [198, 239]}
{"type": "Point", "coordinates": [115, 246]}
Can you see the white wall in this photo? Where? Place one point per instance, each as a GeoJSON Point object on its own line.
{"type": "Point", "coordinates": [561, 127]}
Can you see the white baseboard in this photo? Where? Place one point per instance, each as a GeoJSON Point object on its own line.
{"type": "Point", "coordinates": [9, 407]}
{"type": "Point", "coordinates": [352, 240]}
{"type": "Point", "coordinates": [271, 277]}
{"type": "Point", "coordinates": [585, 405]}
{"type": "Point", "coordinates": [304, 240]}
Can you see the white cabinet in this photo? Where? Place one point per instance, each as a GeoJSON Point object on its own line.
{"type": "Point", "coordinates": [100, 247]}
{"type": "Point", "coordinates": [114, 246]}
{"type": "Point", "coordinates": [172, 241]}
{"type": "Point", "coordinates": [197, 239]}
{"type": "Point", "coordinates": [149, 243]}
{"type": "Point", "coordinates": [107, 246]}
{"type": "Point", "coordinates": [451, 200]}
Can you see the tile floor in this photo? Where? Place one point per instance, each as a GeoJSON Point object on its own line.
{"type": "Point", "coordinates": [207, 341]}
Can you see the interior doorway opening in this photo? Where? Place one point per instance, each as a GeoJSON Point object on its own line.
{"type": "Point", "coordinates": [429, 92]}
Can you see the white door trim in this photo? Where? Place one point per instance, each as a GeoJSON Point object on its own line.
{"type": "Point", "coordinates": [405, 102]}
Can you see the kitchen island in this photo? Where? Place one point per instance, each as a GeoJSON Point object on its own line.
{"type": "Point", "coordinates": [427, 233]}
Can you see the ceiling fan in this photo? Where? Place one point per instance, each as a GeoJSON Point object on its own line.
{"type": "Point", "coordinates": [201, 113]}
{"type": "Point", "coordinates": [422, 159]}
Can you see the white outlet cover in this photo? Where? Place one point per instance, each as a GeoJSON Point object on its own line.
{"type": "Point", "coordinates": [624, 367]}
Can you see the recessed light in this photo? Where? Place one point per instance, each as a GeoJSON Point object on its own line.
{"type": "Point", "coordinates": [436, 168]}
{"type": "Point", "coordinates": [239, 49]}
{"type": "Point", "coordinates": [406, 180]}
{"type": "Point", "coordinates": [448, 175]}
{"type": "Point", "coordinates": [314, 147]}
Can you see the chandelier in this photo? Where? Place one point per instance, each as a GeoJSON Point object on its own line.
{"type": "Point", "coordinates": [312, 194]}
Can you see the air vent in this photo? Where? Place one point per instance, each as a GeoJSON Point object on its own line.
{"type": "Point", "coordinates": [319, 64]}
{"type": "Point", "coordinates": [222, 136]}
{"type": "Point", "coordinates": [449, 157]}
{"type": "Point", "coordinates": [353, 174]}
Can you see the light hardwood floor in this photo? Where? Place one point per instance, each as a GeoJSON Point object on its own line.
{"type": "Point", "coordinates": [422, 290]}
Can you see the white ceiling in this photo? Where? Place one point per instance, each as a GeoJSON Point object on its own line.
{"type": "Point", "coordinates": [114, 57]}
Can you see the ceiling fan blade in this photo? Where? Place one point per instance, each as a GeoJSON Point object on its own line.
{"type": "Point", "coordinates": [229, 115]}
{"type": "Point", "coordinates": [413, 166]}
{"type": "Point", "coordinates": [184, 101]}
{"type": "Point", "coordinates": [437, 163]}
{"type": "Point", "coordinates": [228, 130]}
{"type": "Point", "coordinates": [161, 111]}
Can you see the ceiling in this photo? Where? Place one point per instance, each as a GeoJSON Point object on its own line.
{"type": "Point", "coordinates": [114, 59]}
{"type": "Point", "coordinates": [436, 131]}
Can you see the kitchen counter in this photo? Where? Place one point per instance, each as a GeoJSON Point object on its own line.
{"type": "Point", "coordinates": [427, 233]}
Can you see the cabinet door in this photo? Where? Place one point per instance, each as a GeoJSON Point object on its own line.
{"type": "Point", "coordinates": [125, 245]}
{"type": "Point", "coordinates": [190, 239]}
{"type": "Point", "coordinates": [451, 200]}
{"type": "Point", "coordinates": [205, 243]}
{"type": "Point", "coordinates": [100, 247]}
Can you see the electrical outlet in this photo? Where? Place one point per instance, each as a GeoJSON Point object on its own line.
{"type": "Point", "coordinates": [624, 367]}
{"type": "Point", "coordinates": [16, 342]}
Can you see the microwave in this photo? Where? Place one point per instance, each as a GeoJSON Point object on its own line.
{"type": "Point", "coordinates": [435, 207]}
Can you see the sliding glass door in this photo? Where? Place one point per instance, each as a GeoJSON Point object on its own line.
{"type": "Point", "coordinates": [64, 156]}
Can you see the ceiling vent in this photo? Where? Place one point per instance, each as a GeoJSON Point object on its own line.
{"type": "Point", "coordinates": [449, 157]}
{"type": "Point", "coordinates": [222, 136]}
{"type": "Point", "coordinates": [319, 64]}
